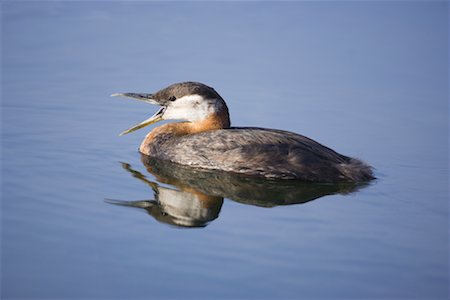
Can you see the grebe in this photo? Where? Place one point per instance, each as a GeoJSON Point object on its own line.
{"type": "Point", "coordinates": [206, 140]}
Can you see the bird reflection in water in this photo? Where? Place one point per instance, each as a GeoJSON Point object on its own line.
{"type": "Point", "coordinates": [197, 195]}
{"type": "Point", "coordinates": [183, 206]}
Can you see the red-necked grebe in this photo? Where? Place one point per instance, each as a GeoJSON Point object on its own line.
{"type": "Point", "coordinates": [206, 140]}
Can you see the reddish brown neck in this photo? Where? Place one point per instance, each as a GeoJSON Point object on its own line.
{"type": "Point", "coordinates": [213, 122]}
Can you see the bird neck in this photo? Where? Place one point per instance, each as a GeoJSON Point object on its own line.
{"type": "Point", "coordinates": [212, 122]}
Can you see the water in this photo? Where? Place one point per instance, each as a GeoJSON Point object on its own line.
{"type": "Point", "coordinates": [369, 79]}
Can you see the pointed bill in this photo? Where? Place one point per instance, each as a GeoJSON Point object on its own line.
{"type": "Point", "coordinates": [153, 119]}
{"type": "Point", "coordinates": [137, 96]}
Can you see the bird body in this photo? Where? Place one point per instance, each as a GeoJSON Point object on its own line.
{"type": "Point", "coordinates": [205, 140]}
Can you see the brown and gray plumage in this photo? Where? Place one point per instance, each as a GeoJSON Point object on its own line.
{"type": "Point", "coordinates": [206, 140]}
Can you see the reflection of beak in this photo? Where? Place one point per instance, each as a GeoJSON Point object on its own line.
{"type": "Point", "coordinates": [146, 98]}
{"type": "Point", "coordinates": [138, 203]}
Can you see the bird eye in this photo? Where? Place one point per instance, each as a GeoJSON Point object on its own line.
{"type": "Point", "coordinates": [172, 98]}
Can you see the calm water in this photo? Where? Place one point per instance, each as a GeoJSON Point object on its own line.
{"type": "Point", "coordinates": [369, 79]}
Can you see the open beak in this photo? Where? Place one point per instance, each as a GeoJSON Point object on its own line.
{"type": "Point", "coordinates": [146, 98]}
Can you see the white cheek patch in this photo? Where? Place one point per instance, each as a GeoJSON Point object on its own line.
{"type": "Point", "coordinates": [191, 108]}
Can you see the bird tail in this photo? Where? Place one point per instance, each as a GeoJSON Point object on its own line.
{"type": "Point", "coordinates": [357, 170]}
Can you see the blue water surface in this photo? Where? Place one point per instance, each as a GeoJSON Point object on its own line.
{"type": "Point", "coordinates": [369, 79]}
